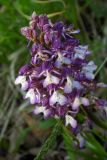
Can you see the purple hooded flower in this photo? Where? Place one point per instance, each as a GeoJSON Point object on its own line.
{"type": "Point", "coordinates": [59, 77]}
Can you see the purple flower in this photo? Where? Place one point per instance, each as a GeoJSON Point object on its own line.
{"type": "Point", "coordinates": [25, 69]}
{"type": "Point", "coordinates": [43, 20]}
{"type": "Point", "coordinates": [59, 77]}
{"type": "Point", "coordinates": [29, 33]}
{"type": "Point", "coordinates": [22, 80]}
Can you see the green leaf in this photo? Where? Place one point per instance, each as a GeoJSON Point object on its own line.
{"type": "Point", "coordinates": [75, 153]}
{"type": "Point", "coordinates": [94, 145]}
{"type": "Point", "coordinates": [68, 140]}
{"type": "Point", "coordinates": [48, 123]}
{"type": "Point", "coordinates": [49, 142]}
{"type": "Point", "coordinates": [48, 1]}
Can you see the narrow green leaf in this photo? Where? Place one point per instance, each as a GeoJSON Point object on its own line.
{"type": "Point", "coordinates": [72, 152]}
{"type": "Point", "coordinates": [94, 145]}
{"type": "Point", "coordinates": [55, 14]}
{"type": "Point", "coordinates": [46, 124]}
{"type": "Point", "coordinates": [48, 1]}
{"type": "Point", "coordinates": [101, 66]}
{"type": "Point", "coordinates": [68, 140]}
{"type": "Point", "coordinates": [49, 142]}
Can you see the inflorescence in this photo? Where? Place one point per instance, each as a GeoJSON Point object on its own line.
{"type": "Point", "coordinates": [59, 77]}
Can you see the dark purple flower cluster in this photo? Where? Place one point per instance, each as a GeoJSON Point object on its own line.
{"type": "Point", "coordinates": [59, 77]}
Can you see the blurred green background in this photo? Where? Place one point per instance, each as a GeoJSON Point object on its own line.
{"type": "Point", "coordinates": [21, 133]}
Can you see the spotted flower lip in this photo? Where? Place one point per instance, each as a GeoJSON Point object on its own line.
{"type": "Point", "coordinates": [59, 78]}
{"type": "Point", "coordinates": [70, 121]}
{"type": "Point", "coordinates": [50, 79]}
{"type": "Point", "coordinates": [33, 96]}
{"type": "Point", "coordinates": [61, 60]}
{"type": "Point", "coordinates": [57, 98]}
{"type": "Point", "coordinates": [88, 69]}
{"type": "Point", "coordinates": [71, 84]}
{"type": "Point", "coordinates": [29, 33]}
{"type": "Point", "coordinates": [81, 52]}
{"type": "Point", "coordinates": [22, 80]}
{"type": "Point", "coordinates": [76, 103]}
{"type": "Point", "coordinates": [42, 109]}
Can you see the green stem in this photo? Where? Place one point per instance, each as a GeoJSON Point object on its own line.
{"type": "Point", "coordinates": [101, 66]}
{"type": "Point", "coordinates": [55, 14]}
{"type": "Point", "coordinates": [49, 142]}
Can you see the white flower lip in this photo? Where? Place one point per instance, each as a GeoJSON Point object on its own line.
{"type": "Point", "coordinates": [22, 80]}
{"type": "Point", "coordinates": [62, 60]}
{"type": "Point", "coordinates": [77, 84]}
{"type": "Point", "coordinates": [81, 52]}
{"type": "Point", "coordinates": [57, 98]}
{"type": "Point", "coordinates": [70, 84]}
{"type": "Point", "coordinates": [32, 96]}
{"type": "Point", "coordinates": [42, 109]}
{"type": "Point", "coordinates": [50, 79]}
{"type": "Point", "coordinates": [85, 101]}
{"type": "Point", "coordinates": [89, 69]}
{"type": "Point", "coordinates": [75, 31]}
{"type": "Point", "coordinates": [69, 120]}
{"type": "Point", "coordinates": [76, 103]}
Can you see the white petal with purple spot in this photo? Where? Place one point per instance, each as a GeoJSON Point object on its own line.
{"type": "Point", "coordinates": [50, 79]}
{"type": "Point", "coordinates": [57, 98]}
{"type": "Point", "coordinates": [68, 86]}
{"type": "Point", "coordinates": [69, 120]}
{"type": "Point", "coordinates": [80, 52]}
{"type": "Point", "coordinates": [22, 80]}
{"type": "Point", "coordinates": [62, 60]}
{"type": "Point", "coordinates": [77, 85]}
{"type": "Point", "coordinates": [76, 103]}
{"type": "Point", "coordinates": [41, 109]}
{"type": "Point", "coordinates": [89, 69]}
{"type": "Point", "coordinates": [75, 31]}
{"type": "Point", "coordinates": [31, 95]}
{"type": "Point", "coordinates": [90, 75]}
